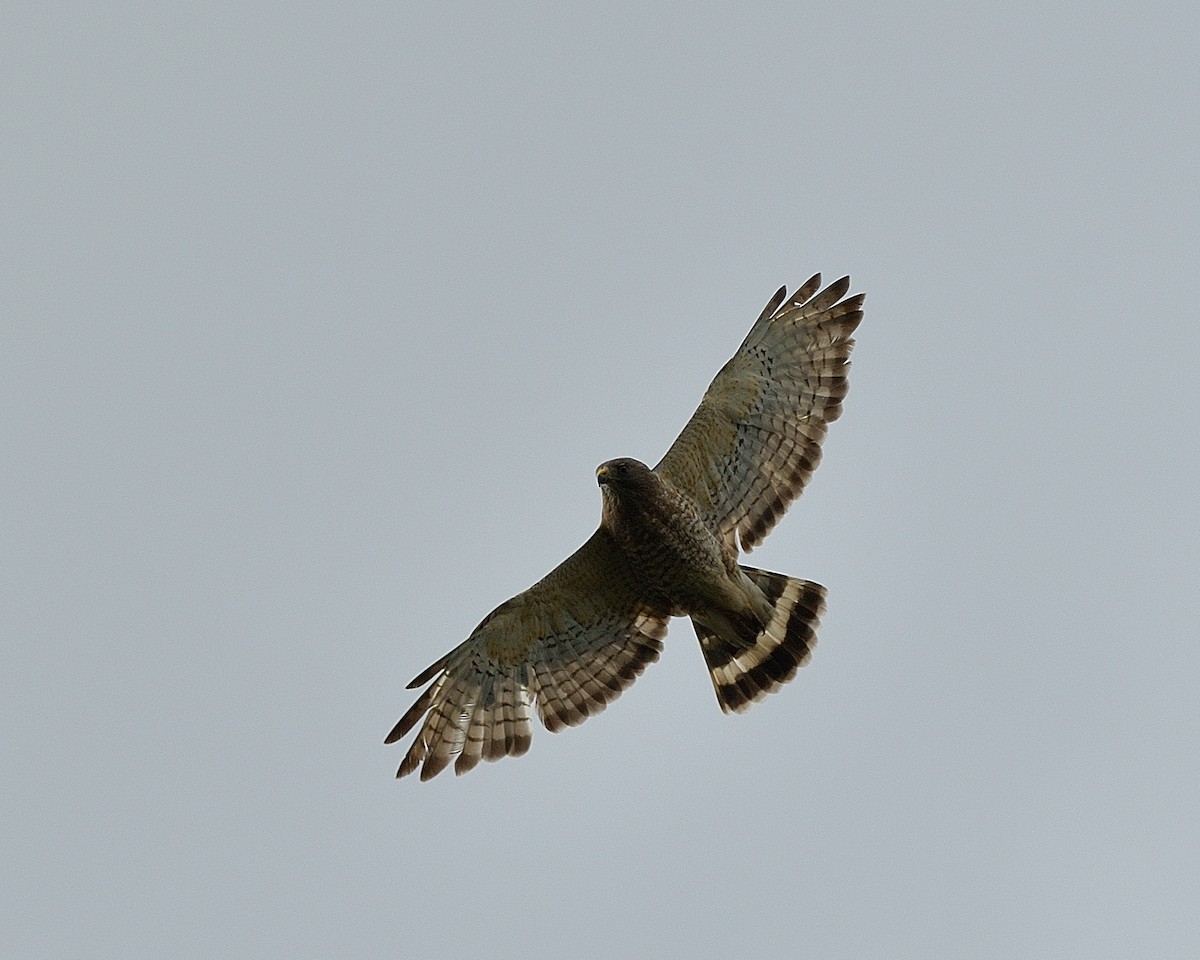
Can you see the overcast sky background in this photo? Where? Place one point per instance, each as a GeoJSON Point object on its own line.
{"type": "Point", "coordinates": [318, 319]}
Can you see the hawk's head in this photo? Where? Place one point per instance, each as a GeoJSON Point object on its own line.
{"type": "Point", "coordinates": [624, 473]}
{"type": "Point", "coordinates": [627, 485]}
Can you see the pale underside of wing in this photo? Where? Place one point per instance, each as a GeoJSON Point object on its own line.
{"type": "Point", "coordinates": [565, 647]}
{"type": "Point", "coordinates": [754, 441]}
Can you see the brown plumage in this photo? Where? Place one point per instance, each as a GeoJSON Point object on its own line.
{"type": "Point", "coordinates": [667, 545]}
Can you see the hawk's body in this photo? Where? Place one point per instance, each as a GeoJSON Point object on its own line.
{"type": "Point", "coordinates": [667, 546]}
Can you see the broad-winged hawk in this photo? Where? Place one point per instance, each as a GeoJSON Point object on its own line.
{"type": "Point", "coordinates": [667, 546]}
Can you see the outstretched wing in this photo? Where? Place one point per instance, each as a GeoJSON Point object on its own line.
{"type": "Point", "coordinates": [569, 645]}
{"type": "Point", "coordinates": [755, 439]}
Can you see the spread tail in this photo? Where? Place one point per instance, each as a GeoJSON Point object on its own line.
{"type": "Point", "coordinates": [764, 661]}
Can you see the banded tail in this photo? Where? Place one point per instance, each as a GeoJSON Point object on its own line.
{"type": "Point", "coordinates": [764, 662]}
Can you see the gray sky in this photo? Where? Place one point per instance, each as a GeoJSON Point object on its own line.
{"type": "Point", "coordinates": [316, 322]}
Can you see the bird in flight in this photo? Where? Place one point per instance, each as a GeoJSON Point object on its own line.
{"type": "Point", "coordinates": [667, 546]}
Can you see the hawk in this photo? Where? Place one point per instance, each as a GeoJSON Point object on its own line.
{"type": "Point", "coordinates": [667, 546]}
